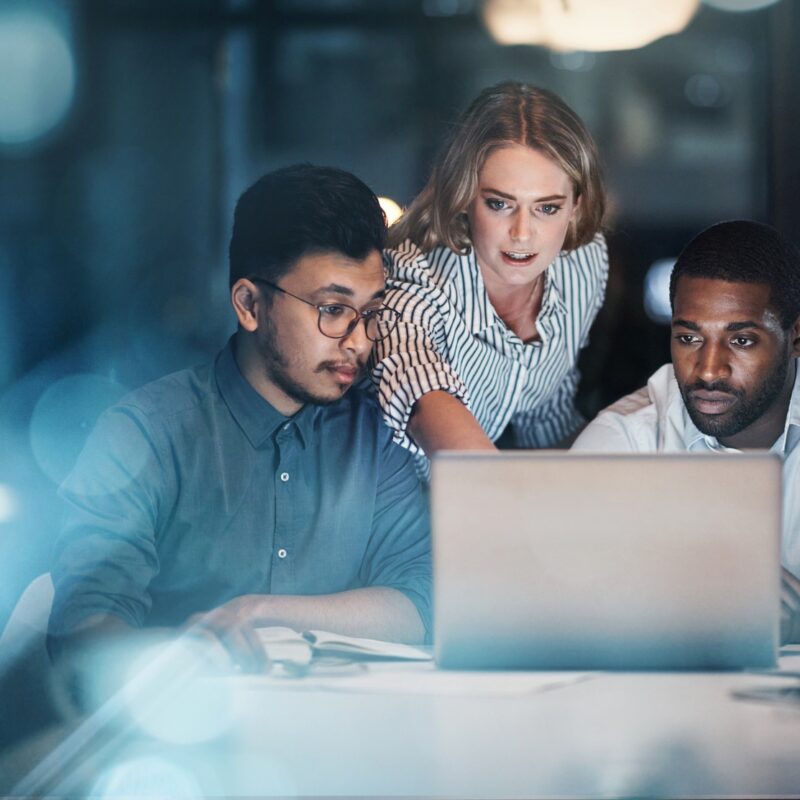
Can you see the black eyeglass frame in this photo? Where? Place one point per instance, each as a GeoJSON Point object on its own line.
{"type": "Point", "coordinates": [365, 315]}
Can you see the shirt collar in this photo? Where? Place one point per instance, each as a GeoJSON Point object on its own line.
{"type": "Point", "coordinates": [553, 297]}
{"type": "Point", "coordinates": [788, 440]}
{"type": "Point", "coordinates": [255, 416]}
{"type": "Point", "coordinates": [484, 315]}
{"type": "Point", "coordinates": [791, 433]}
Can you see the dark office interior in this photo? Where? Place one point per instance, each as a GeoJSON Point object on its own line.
{"type": "Point", "coordinates": [123, 152]}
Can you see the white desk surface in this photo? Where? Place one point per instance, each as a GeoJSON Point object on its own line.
{"type": "Point", "coordinates": [406, 732]}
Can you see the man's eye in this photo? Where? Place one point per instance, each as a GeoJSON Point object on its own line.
{"type": "Point", "coordinates": [332, 310]}
{"type": "Point", "coordinates": [686, 338]}
{"type": "Point", "coordinates": [495, 204]}
{"type": "Point", "coordinates": [742, 341]}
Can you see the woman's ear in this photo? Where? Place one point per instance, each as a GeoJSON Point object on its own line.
{"type": "Point", "coordinates": [576, 208]}
{"type": "Point", "coordinates": [572, 228]}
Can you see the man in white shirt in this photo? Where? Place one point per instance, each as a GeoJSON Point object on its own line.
{"type": "Point", "coordinates": [733, 383]}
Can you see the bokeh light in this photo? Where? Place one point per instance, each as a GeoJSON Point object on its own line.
{"type": "Point", "coordinates": [392, 209]}
{"type": "Point", "coordinates": [37, 72]}
{"type": "Point", "coordinates": [705, 91]}
{"type": "Point", "coordinates": [9, 506]}
{"type": "Point", "coordinates": [63, 418]}
{"type": "Point", "coordinates": [172, 695]}
{"type": "Point", "coordinates": [147, 776]}
{"type": "Point", "coordinates": [585, 24]}
{"type": "Point", "coordinates": [573, 61]}
{"type": "Point", "coordinates": [656, 291]}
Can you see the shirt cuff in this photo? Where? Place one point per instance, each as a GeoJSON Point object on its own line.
{"type": "Point", "coordinates": [422, 603]}
{"type": "Point", "coordinates": [400, 385]}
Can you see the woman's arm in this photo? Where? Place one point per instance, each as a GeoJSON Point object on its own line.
{"type": "Point", "coordinates": [440, 421]}
{"type": "Point", "coordinates": [423, 399]}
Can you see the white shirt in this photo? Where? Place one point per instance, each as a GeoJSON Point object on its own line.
{"type": "Point", "coordinates": [654, 419]}
{"type": "Point", "coordinates": [450, 338]}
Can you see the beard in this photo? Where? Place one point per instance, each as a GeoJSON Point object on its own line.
{"type": "Point", "coordinates": [747, 409]}
{"type": "Point", "coordinates": [277, 365]}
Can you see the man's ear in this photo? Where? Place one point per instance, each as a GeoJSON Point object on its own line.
{"type": "Point", "coordinates": [245, 298]}
{"type": "Point", "coordinates": [794, 335]}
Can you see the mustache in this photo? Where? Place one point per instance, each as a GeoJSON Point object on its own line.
{"type": "Point", "coordinates": [714, 386]}
{"type": "Point", "coordinates": [356, 365]}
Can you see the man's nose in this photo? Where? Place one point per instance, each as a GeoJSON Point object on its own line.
{"type": "Point", "coordinates": [713, 363]}
{"type": "Point", "coordinates": [356, 341]}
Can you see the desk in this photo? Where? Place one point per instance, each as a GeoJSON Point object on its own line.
{"type": "Point", "coordinates": [599, 734]}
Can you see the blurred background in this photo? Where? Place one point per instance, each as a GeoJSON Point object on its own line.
{"type": "Point", "coordinates": [128, 128]}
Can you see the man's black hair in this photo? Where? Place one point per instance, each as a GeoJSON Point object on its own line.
{"type": "Point", "coordinates": [742, 251]}
{"type": "Point", "coordinates": [300, 210]}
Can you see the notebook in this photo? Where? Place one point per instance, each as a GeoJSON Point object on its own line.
{"type": "Point", "coordinates": [283, 644]}
{"type": "Point", "coordinates": [556, 560]}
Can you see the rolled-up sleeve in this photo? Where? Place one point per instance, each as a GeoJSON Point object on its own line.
{"type": "Point", "coordinates": [105, 556]}
{"type": "Point", "coordinates": [399, 552]}
{"type": "Point", "coordinates": [412, 361]}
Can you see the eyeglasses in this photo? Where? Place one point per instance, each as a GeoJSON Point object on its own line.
{"type": "Point", "coordinates": [337, 320]}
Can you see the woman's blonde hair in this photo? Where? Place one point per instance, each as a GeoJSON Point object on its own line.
{"type": "Point", "coordinates": [508, 113]}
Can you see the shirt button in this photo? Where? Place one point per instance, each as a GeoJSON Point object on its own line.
{"type": "Point", "coordinates": [284, 476]}
{"type": "Point", "coordinates": [281, 553]}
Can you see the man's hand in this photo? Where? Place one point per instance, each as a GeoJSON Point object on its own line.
{"type": "Point", "coordinates": [233, 625]}
{"type": "Point", "coordinates": [374, 612]}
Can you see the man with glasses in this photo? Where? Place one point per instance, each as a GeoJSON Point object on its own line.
{"type": "Point", "coordinates": [257, 491]}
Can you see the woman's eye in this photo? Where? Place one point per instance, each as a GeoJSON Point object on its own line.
{"type": "Point", "coordinates": [495, 204]}
{"type": "Point", "coordinates": [332, 310]}
{"type": "Point", "coordinates": [548, 209]}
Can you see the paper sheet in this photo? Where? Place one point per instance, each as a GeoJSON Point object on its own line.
{"type": "Point", "coordinates": [417, 679]}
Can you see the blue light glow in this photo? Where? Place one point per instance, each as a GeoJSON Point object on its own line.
{"type": "Point", "coordinates": [8, 503]}
{"type": "Point", "coordinates": [37, 73]}
{"type": "Point", "coordinates": [63, 418]}
{"type": "Point", "coordinates": [195, 708]}
{"type": "Point", "coordinates": [149, 776]}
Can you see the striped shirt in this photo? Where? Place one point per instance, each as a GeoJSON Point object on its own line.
{"type": "Point", "coordinates": [450, 338]}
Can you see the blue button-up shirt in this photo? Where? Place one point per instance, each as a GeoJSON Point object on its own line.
{"type": "Point", "coordinates": [194, 490]}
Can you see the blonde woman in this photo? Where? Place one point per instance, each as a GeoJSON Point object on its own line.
{"type": "Point", "coordinates": [497, 269]}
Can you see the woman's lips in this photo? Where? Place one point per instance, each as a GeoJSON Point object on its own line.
{"type": "Point", "coordinates": [518, 258]}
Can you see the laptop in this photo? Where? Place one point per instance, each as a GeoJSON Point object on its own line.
{"type": "Point", "coordinates": [574, 561]}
